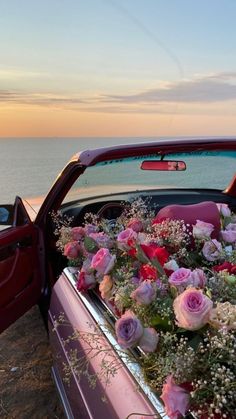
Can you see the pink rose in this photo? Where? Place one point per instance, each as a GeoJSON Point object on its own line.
{"type": "Point", "coordinates": [71, 250]}
{"type": "Point", "coordinates": [105, 287]}
{"type": "Point", "coordinates": [198, 278]}
{"type": "Point", "coordinates": [192, 309]}
{"type": "Point", "coordinates": [224, 210]}
{"type": "Point", "coordinates": [145, 293]}
{"type": "Point", "coordinates": [136, 225]}
{"type": "Point", "coordinates": [212, 250]}
{"type": "Point", "coordinates": [103, 261]}
{"type": "Point", "coordinates": [149, 340]}
{"type": "Point", "coordinates": [175, 398]}
{"type": "Point", "coordinates": [202, 229]}
{"type": "Point", "coordinates": [85, 281]}
{"type": "Point", "coordinates": [129, 330]}
{"type": "Point", "coordinates": [124, 237]}
{"type": "Point", "coordinates": [229, 234]}
{"type": "Point", "coordinates": [77, 233]}
{"type": "Point", "coordinates": [180, 278]}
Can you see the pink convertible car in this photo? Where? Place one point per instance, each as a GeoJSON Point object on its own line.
{"type": "Point", "coordinates": [180, 173]}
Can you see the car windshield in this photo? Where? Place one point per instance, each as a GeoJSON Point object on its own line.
{"type": "Point", "coordinates": [204, 169]}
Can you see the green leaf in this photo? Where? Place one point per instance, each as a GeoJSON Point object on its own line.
{"type": "Point", "coordinates": [227, 220]}
{"type": "Point", "coordinates": [195, 341]}
{"type": "Point", "coordinates": [173, 291]}
{"type": "Point", "coordinates": [141, 255]}
{"type": "Point", "coordinates": [163, 323]}
{"type": "Point", "coordinates": [181, 330]}
{"type": "Point", "coordinates": [158, 266]}
{"type": "Point", "coordinates": [90, 245]}
{"type": "Point", "coordinates": [208, 293]}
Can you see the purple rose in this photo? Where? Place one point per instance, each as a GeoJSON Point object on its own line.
{"type": "Point", "coordinates": [149, 340]}
{"type": "Point", "coordinates": [212, 250]}
{"type": "Point", "coordinates": [129, 330]}
{"type": "Point", "coordinates": [90, 228]}
{"type": "Point", "coordinates": [192, 309]}
{"type": "Point", "coordinates": [202, 229]}
{"type": "Point", "coordinates": [224, 210]}
{"type": "Point", "coordinates": [102, 239]}
{"type": "Point", "coordinates": [198, 278]}
{"type": "Point", "coordinates": [229, 234]}
{"type": "Point", "coordinates": [175, 398]}
{"type": "Point", "coordinates": [135, 280]}
{"type": "Point", "coordinates": [86, 266]}
{"type": "Point", "coordinates": [103, 261]}
{"type": "Point", "coordinates": [180, 278]}
{"type": "Point", "coordinates": [145, 293]}
{"type": "Point", "coordinates": [172, 265]}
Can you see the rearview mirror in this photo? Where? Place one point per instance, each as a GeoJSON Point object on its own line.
{"type": "Point", "coordinates": [6, 214]}
{"type": "Point", "coordinates": [167, 165]}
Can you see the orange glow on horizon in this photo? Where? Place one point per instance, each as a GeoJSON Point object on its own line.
{"type": "Point", "coordinates": [28, 121]}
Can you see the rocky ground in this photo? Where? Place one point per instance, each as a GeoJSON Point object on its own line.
{"type": "Point", "coordinates": [26, 387]}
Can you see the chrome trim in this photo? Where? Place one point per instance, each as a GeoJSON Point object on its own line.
{"type": "Point", "coordinates": [132, 366]}
{"type": "Point", "coordinates": [62, 394]}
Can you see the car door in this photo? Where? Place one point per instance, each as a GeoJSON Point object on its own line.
{"type": "Point", "coordinates": [21, 263]}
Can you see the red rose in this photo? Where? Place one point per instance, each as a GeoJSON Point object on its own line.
{"type": "Point", "coordinates": [233, 270]}
{"type": "Point", "coordinates": [85, 281]}
{"type": "Point", "coordinates": [226, 266]}
{"type": "Point", "coordinates": [148, 272]}
{"type": "Point", "coordinates": [153, 251]}
{"type": "Point", "coordinates": [132, 251]}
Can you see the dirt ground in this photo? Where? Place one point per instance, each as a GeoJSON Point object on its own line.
{"type": "Point", "coordinates": [26, 387]}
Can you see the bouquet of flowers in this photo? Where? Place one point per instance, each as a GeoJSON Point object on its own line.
{"type": "Point", "coordinates": [174, 288]}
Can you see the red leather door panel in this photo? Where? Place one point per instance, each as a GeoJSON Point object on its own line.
{"type": "Point", "coordinates": [20, 273]}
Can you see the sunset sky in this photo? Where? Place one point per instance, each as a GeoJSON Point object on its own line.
{"type": "Point", "coordinates": [73, 68]}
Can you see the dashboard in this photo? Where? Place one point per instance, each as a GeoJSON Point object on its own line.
{"type": "Point", "coordinates": [110, 206]}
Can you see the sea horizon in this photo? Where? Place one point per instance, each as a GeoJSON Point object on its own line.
{"type": "Point", "coordinates": [29, 166]}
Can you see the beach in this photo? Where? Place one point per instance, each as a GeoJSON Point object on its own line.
{"type": "Point", "coordinates": [27, 388]}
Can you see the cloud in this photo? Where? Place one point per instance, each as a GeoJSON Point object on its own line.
{"type": "Point", "coordinates": [208, 89]}
{"type": "Point", "coordinates": [41, 99]}
{"type": "Point", "coordinates": [16, 73]}
{"type": "Point", "coordinates": [208, 93]}
{"type": "Point", "coordinates": [222, 76]}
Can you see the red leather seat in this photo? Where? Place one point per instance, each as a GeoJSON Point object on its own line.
{"type": "Point", "coordinates": [204, 211]}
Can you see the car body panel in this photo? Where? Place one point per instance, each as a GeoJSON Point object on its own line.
{"type": "Point", "coordinates": [122, 386]}
{"type": "Point", "coordinates": [165, 146]}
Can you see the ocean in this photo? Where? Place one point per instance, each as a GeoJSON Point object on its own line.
{"type": "Point", "coordinates": [28, 167]}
